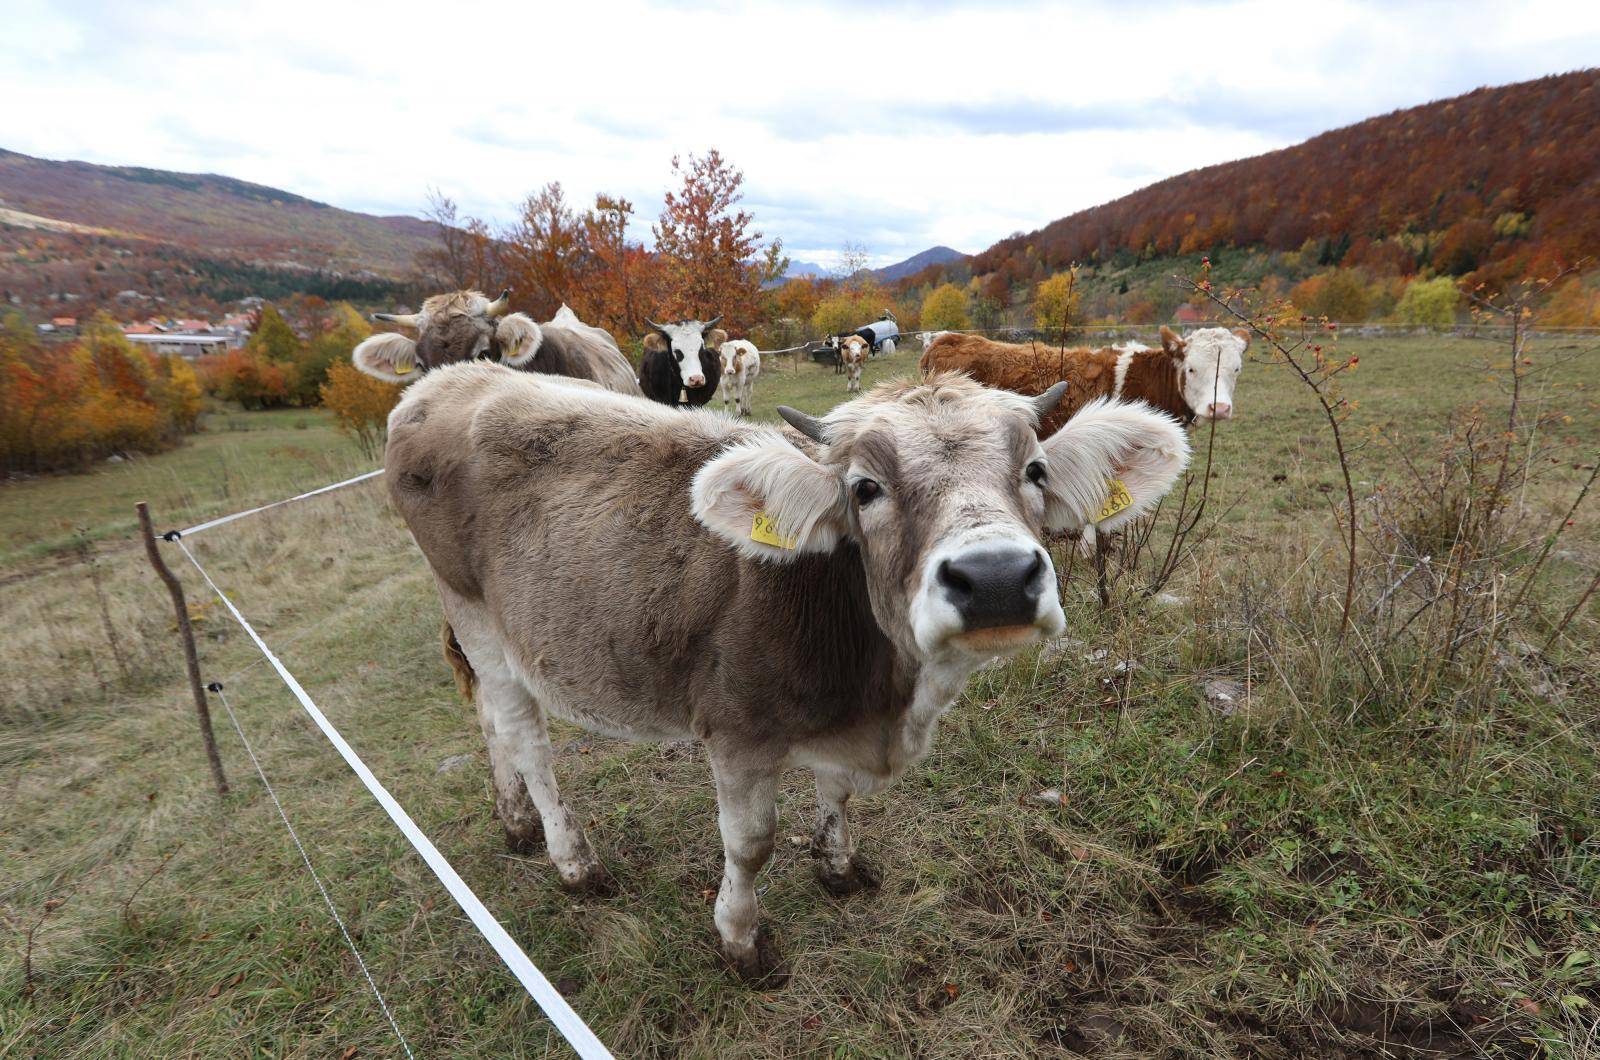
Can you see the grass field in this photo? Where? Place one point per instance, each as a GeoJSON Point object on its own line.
{"type": "Point", "coordinates": [1386, 848]}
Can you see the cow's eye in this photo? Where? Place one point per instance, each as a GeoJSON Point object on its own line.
{"type": "Point", "coordinates": [1036, 473]}
{"type": "Point", "coordinates": [677, 355]}
{"type": "Point", "coordinates": [866, 491]}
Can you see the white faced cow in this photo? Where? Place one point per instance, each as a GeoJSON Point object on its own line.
{"type": "Point", "coordinates": [741, 366]}
{"type": "Point", "coordinates": [600, 557]}
{"type": "Point", "coordinates": [682, 357]}
{"type": "Point", "coordinates": [853, 353]}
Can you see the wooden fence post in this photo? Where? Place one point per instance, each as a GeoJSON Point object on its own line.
{"type": "Point", "coordinates": [186, 633]}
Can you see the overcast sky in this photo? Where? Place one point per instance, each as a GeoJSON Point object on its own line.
{"type": "Point", "coordinates": [896, 126]}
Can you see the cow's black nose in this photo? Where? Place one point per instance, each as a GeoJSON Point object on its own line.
{"type": "Point", "coordinates": [995, 586]}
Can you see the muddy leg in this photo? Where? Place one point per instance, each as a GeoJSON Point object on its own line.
{"type": "Point", "coordinates": [747, 816]}
{"type": "Point", "coordinates": [839, 868]}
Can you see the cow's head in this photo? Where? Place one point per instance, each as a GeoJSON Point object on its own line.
{"type": "Point", "coordinates": [1208, 363]}
{"type": "Point", "coordinates": [945, 490]}
{"type": "Point", "coordinates": [686, 341]}
{"type": "Point", "coordinates": [461, 326]}
{"type": "Point", "coordinates": [853, 353]}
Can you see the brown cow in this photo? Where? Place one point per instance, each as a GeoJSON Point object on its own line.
{"type": "Point", "coordinates": [466, 325]}
{"type": "Point", "coordinates": [1187, 379]}
{"type": "Point", "coordinates": [601, 558]}
{"type": "Point", "coordinates": [853, 353]}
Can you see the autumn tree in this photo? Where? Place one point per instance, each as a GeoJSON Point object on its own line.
{"type": "Point", "coordinates": [360, 405]}
{"type": "Point", "coordinates": [1431, 303]}
{"type": "Point", "coordinates": [544, 253]}
{"type": "Point", "coordinates": [464, 256]}
{"type": "Point", "coordinates": [711, 255]}
{"type": "Point", "coordinates": [621, 282]}
{"type": "Point", "coordinates": [1055, 302]}
{"type": "Point", "coordinates": [945, 308]}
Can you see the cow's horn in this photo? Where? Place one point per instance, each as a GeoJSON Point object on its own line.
{"type": "Point", "coordinates": [809, 426]}
{"type": "Point", "coordinates": [499, 305]}
{"type": "Point", "coordinates": [713, 322]}
{"type": "Point", "coordinates": [409, 320]}
{"type": "Point", "coordinates": [655, 326]}
{"type": "Point", "coordinates": [1046, 403]}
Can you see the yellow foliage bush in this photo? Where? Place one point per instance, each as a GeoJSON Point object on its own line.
{"type": "Point", "coordinates": [361, 404]}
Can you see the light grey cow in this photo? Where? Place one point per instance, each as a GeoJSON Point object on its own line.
{"type": "Point", "coordinates": [599, 558]}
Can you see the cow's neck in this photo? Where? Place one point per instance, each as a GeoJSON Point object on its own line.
{"type": "Point", "coordinates": [1154, 377]}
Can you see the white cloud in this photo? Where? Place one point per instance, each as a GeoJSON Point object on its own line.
{"type": "Point", "coordinates": [889, 125]}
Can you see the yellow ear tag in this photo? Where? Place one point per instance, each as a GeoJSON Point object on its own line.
{"type": "Point", "coordinates": [1117, 499]}
{"type": "Point", "coordinates": [765, 530]}
{"type": "Point", "coordinates": [402, 371]}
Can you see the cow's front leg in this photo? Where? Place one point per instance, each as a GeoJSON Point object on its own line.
{"type": "Point", "coordinates": [747, 815]}
{"type": "Point", "coordinates": [839, 868]}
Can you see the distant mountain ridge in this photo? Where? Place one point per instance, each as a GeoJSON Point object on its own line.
{"type": "Point", "coordinates": [917, 262]}
{"type": "Point", "coordinates": [1499, 182]}
{"type": "Point", "coordinates": [216, 215]}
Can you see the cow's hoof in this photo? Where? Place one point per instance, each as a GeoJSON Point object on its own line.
{"type": "Point", "coordinates": [762, 966]}
{"type": "Point", "coordinates": [860, 876]}
{"type": "Point", "coordinates": [594, 881]}
{"type": "Point", "coordinates": [525, 842]}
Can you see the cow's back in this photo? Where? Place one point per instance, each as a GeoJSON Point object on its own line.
{"type": "Point", "coordinates": [1030, 368]}
{"type": "Point", "coordinates": [588, 354]}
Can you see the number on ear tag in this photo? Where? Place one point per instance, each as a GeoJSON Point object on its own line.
{"type": "Point", "coordinates": [401, 370]}
{"type": "Point", "coordinates": [765, 530]}
{"type": "Point", "coordinates": [1117, 499]}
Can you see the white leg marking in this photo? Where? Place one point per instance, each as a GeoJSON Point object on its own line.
{"type": "Point", "coordinates": [747, 815]}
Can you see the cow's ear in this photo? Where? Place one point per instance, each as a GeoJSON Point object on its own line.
{"type": "Point", "coordinates": [1243, 336]}
{"type": "Point", "coordinates": [519, 339]}
{"type": "Point", "coordinates": [655, 342]}
{"type": "Point", "coordinates": [390, 357]}
{"type": "Point", "coordinates": [1111, 455]}
{"type": "Point", "coordinates": [770, 501]}
{"type": "Point", "coordinates": [1171, 342]}
{"type": "Point", "coordinates": [715, 338]}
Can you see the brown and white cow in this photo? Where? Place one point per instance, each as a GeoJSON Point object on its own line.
{"type": "Point", "coordinates": [853, 353]}
{"type": "Point", "coordinates": [741, 366]}
{"type": "Point", "coordinates": [466, 326]}
{"type": "Point", "coordinates": [1188, 379]}
{"type": "Point", "coordinates": [600, 558]}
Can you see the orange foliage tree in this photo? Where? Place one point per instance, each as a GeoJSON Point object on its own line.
{"type": "Point", "coordinates": [62, 406]}
{"type": "Point", "coordinates": [712, 259]}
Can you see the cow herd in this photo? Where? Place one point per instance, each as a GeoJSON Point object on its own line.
{"type": "Point", "coordinates": [815, 595]}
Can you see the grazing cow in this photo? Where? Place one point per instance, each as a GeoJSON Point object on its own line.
{"type": "Point", "coordinates": [600, 559]}
{"type": "Point", "coordinates": [465, 326]}
{"type": "Point", "coordinates": [1187, 379]}
{"type": "Point", "coordinates": [681, 365]}
{"type": "Point", "coordinates": [853, 353]}
{"type": "Point", "coordinates": [741, 364]}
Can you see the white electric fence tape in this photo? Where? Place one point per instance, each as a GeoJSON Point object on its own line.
{"type": "Point", "coordinates": [337, 919]}
{"type": "Point", "coordinates": [571, 1026]}
{"type": "Point", "coordinates": [287, 500]}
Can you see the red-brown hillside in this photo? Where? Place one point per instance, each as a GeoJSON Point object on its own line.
{"type": "Point", "coordinates": [1500, 181]}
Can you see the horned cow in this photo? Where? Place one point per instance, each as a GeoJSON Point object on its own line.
{"type": "Point", "coordinates": [599, 557]}
{"type": "Point", "coordinates": [1188, 379]}
{"type": "Point", "coordinates": [681, 365]}
{"type": "Point", "coordinates": [466, 325]}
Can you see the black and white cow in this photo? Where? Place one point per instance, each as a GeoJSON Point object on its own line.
{"type": "Point", "coordinates": [681, 363]}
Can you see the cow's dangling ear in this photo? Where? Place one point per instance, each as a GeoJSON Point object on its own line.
{"type": "Point", "coordinates": [519, 339]}
{"type": "Point", "coordinates": [770, 501]}
{"type": "Point", "coordinates": [1122, 452]}
{"type": "Point", "coordinates": [715, 338]}
{"type": "Point", "coordinates": [1170, 342]}
{"type": "Point", "coordinates": [654, 342]}
{"type": "Point", "coordinates": [387, 356]}
{"type": "Point", "coordinates": [1243, 336]}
